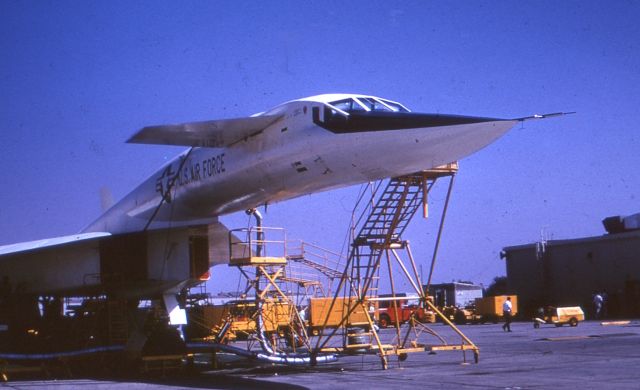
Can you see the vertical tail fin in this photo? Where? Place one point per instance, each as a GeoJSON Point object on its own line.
{"type": "Point", "coordinates": [106, 198]}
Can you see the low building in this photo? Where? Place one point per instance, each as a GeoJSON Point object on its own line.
{"type": "Point", "coordinates": [571, 272]}
{"type": "Point", "coordinates": [458, 294]}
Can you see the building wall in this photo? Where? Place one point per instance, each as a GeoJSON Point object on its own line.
{"type": "Point", "coordinates": [525, 276]}
{"type": "Point", "coordinates": [570, 272]}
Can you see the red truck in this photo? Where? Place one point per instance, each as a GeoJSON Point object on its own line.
{"type": "Point", "coordinates": [406, 306]}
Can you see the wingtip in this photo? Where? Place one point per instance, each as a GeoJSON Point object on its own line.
{"type": "Point", "coordinates": [544, 116]}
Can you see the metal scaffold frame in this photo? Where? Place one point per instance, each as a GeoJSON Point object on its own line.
{"type": "Point", "coordinates": [381, 226]}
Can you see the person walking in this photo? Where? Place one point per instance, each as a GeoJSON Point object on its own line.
{"type": "Point", "coordinates": [506, 312]}
{"type": "Point", "coordinates": [598, 301]}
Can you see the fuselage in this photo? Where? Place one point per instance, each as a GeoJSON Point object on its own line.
{"type": "Point", "coordinates": [318, 143]}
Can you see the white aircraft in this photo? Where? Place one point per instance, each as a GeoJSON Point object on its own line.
{"type": "Point", "coordinates": [164, 235]}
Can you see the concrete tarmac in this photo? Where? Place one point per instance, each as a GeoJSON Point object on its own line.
{"type": "Point", "coordinates": [589, 356]}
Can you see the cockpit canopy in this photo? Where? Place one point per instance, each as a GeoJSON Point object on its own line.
{"type": "Point", "coordinates": [367, 104]}
{"type": "Point", "coordinates": [361, 113]}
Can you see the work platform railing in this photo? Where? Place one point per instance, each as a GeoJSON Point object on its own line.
{"type": "Point", "coordinates": [313, 263]}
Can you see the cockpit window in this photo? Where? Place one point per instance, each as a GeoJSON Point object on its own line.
{"type": "Point", "coordinates": [347, 105]}
{"type": "Point", "coordinates": [374, 105]}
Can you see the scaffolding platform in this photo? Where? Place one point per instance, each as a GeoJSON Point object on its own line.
{"type": "Point", "coordinates": [253, 261]}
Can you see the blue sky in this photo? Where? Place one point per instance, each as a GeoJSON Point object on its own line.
{"type": "Point", "coordinates": [77, 78]}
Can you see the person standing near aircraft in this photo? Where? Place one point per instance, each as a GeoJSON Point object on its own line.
{"type": "Point", "coordinates": [506, 312]}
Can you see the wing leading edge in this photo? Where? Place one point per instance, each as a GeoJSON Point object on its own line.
{"type": "Point", "coordinates": [49, 243]}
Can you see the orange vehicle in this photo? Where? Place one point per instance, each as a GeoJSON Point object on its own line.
{"type": "Point", "coordinates": [405, 307]}
{"type": "Point", "coordinates": [320, 316]}
{"type": "Point", "coordinates": [487, 309]}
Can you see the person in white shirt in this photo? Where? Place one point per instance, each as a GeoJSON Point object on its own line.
{"type": "Point", "coordinates": [506, 312]}
{"type": "Point", "coordinates": [598, 300]}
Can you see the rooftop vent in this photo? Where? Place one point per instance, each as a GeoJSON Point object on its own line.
{"type": "Point", "coordinates": [619, 224]}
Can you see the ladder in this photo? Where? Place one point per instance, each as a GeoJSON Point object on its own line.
{"type": "Point", "coordinates": [117, 323]}
{"type": "Point", "coordinates": [381, 225]}
{"type": "Point", "coordinates": [385, 222]}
